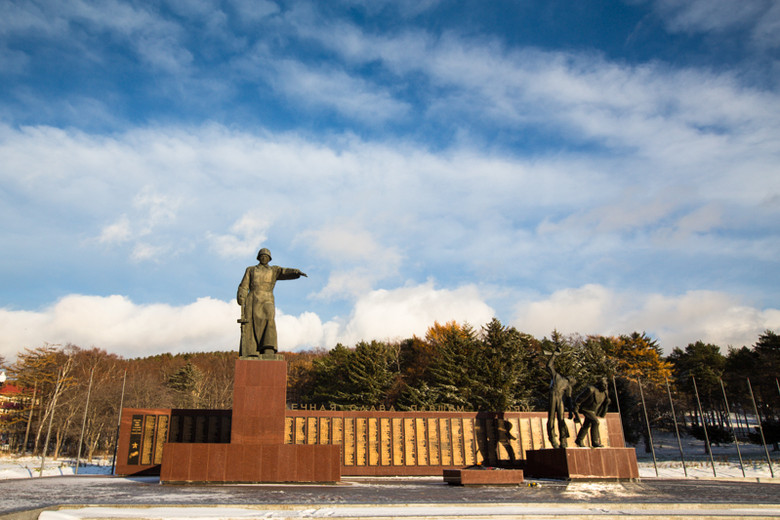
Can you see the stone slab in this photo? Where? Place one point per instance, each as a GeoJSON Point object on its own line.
{"type": "Point", "coordinates": [582, 464]}
{"type": "Point", "coordinates": [229, 463]}
{"type": "Point", "coordinates": [259, 395]}
{"type": "Point", "coordinates": [483, 477]}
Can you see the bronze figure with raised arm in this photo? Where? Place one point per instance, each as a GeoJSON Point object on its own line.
{"type": "Point", "coordinates": [256, 298]}
{"type": "Point", "coordinates": [560, 397]}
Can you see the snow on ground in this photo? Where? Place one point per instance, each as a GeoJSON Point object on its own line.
{"type": "Point", "coordinates": [28, 466]}
{"type": "Point", "coordinates": [697, 461]}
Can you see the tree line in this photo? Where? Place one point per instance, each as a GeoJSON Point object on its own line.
{"type": "Point", "coordinates": [454, 366]}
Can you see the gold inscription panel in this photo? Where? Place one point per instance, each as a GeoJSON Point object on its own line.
{"type": "Point", "coordinates": [397, 429]}
{"type": "Point", "coordinates": [422, 444]}
{"type": "Point", "coordinates": [361, 439]}
{"type": "Point", "coordinates": [469, 444]}
{"type": "Point", "coordinates": [300, 430]}
{"type": "Point", "coordinates": [148, 439]}
{"type": "Point", "coordinates": [311, 430]}
{"type": "Point", "coordinates": [458, 451]}
{"type": "Point", "coordinates": [289, 430]}
{"type": "Point", "coordinates": [324, 430]}
{"type": "Point", "coordinates": [162, 437]}
{"type": "Point", "coordinates": [385, 442]}
{"type": "Point", "coordinates": [349, 442]}
{"type": "Point", "coordinates": [373, 441]}
{"type": "Point", "coordinates": [434, 445]}
{"type": "Point", "coordinates": [445, 428]}
{"type": "Point", "coordinates": [410, 440]}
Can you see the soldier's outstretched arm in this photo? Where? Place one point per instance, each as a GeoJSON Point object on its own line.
{"type": "Point", "coordinates": [289, 273]}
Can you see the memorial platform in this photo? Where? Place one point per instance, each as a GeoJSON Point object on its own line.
{"type": "Point", "coordinates": [256, 452]}
{"type": "Point", "coordinates": [582, 464]}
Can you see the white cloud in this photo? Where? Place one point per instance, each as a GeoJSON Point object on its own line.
{"type": "Point", "coordinates": [305, 331]}
{"type": "Point", "coordinates": [254, 10]}
{"type": "Point", "coordinates": [118, 325]}
{"type": "Point", "coordinates": [760, 18]}
{"type": "Point", "coordinates": [156, 41]}
{"type": "Point", "coordinates": [143, 251]}
{"type": "Point", "coordinates": [401, 313]}
{"type": "Point", "coordinates": [677, 117]}
{"type": "Point", "coordinates": [359, 261]}
{"type": "Point", "coordinates": [334, 89]}
{"type": "Point", "coordinates": [709, 316]}
{"type": "Point", "coordinates": [247, 233]}
{"type": "Point", "coordinates": [118, 232]}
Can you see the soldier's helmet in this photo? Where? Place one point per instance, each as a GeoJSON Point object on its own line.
{"type": "Point", "coordinates": [264, 251]}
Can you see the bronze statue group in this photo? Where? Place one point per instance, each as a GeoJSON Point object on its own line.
{"type": "Point", "coordinates": [592, 402]}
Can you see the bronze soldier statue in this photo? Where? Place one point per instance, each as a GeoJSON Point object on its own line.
{"type": "Point", "coordinates": [593, 403]}
{"type": "Point", "coordinates": [256, 298]}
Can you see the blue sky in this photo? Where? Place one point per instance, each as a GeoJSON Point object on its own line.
{"type": "Point", "coordinates": [595, 167]}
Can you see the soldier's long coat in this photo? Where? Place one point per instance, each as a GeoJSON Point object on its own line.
{"type": "Point", "coordinates": [256, 297]}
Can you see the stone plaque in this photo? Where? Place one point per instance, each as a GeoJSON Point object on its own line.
{"type": "Point", "coordinates": [526, 442]}
{"type": "Point", "coordinates": [422, 441]}
{"type": "Point", "coordinates": [324, 431]}
{"type": "Point", "coordinates": [337, 430]}
{"type": "Point", "coordinates": [289, 430]}
{"type": "Point", "coordinates": [136, 436]}
{"type": "Point", "coordinates": [311, 430]}
{"type": "Point", "coordinates": [300, 430]}
{"type": "Point", "coordinates": [445, 429]}
{"type": "Point", "coordinates": [385, 442]}
{"type": "Point", "coordinates": [147, 445]}
{"type": "Point", "coordinates": [161, 438]}
{"type": "Point", "coordinates": [361, 441]}
{"type": "Point", "coordinates": [537, 434]}
{"type": "Point", "coordinates": [373, 441]}
{"type": "Point", "coordinates": [434, 444]}
{"type": "Point", "coordinates": [349, 441]}
{"type": "Point", "coordinates": [458, 449]}
{"type": "Point", "coordinates": [397, 427]}
{"type": "Point", "coordinates": [469, 443]}
{"type": "Point", "coordinates": [410, 443]}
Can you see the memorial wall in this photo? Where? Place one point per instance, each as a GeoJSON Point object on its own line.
{"type": "Point", "coordinates": [372, 442]}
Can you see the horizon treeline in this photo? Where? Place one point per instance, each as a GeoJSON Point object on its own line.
{"type": "Point", "coordinates": [453, 367]}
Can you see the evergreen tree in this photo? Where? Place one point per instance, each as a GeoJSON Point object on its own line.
{"type": "Point", "coordinates": [329, 377]}
{"type": "Point", "coordinates": [449, 379]}
{"type": "Point", "coordinates": [186, 382]}
{"type": "Point", "coordinates": [500, 378]}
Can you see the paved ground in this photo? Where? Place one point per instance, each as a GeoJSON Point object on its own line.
{"type": "Point", "coordinates": [22, 495]}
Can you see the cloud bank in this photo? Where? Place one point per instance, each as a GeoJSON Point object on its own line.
{"type": "Point", "coordinates": [118, 325]}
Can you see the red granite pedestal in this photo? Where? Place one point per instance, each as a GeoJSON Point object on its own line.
{"type": "Point", "coordinates": [256, 452]}
{"type": "Point", "coordinates": [582, 464]}
{"type": "Point", "coordinates": [483, 477]}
